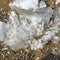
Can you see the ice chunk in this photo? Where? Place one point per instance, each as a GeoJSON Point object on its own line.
{"type": "Point", "coordinates": [25, 25]}
{"type": "Point", "coordinates": [42, 4]}
{"type": "Point", "coordinates": [2, 31]}
{"type": "Point", "coordinates": [57, 14]}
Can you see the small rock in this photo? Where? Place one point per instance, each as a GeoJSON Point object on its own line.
{"type": "Point", "coordinates": [51, 57]}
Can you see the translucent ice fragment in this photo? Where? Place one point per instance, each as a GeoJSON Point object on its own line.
{"type": "Point", "coordinates": [2, 31]}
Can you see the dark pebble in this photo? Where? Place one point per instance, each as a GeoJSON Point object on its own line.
{"type": "Point", "coordinates": [51, 56]}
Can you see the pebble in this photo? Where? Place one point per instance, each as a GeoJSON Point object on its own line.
{"type": "Point", "coordinates": [57, 2]}
{"type": "Point", "coordinates": [51, 56]}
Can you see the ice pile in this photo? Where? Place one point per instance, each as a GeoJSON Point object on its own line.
{"type": "Point", "coordinates": [26, 27]}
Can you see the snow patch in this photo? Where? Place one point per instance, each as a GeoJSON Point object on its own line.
{"type": "Point", "coordinates": [25, 4]}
